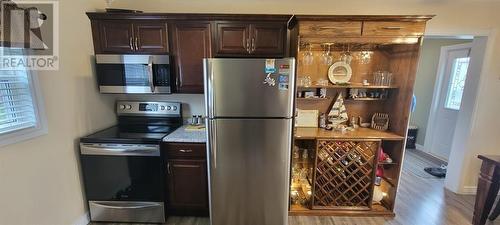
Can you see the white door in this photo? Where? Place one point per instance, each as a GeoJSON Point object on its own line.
{"type": "Point", "coordinates": [452, 72]}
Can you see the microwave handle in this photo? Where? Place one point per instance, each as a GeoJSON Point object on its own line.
{"type": "Point", "coordinates": [150, 74]}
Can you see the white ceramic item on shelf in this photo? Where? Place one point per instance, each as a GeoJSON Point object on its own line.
{"type": "Point", "coordinates": [306, 118]}
{"type": "Point", "coordinates": [339, 72]}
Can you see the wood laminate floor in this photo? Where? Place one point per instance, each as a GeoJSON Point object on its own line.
{"type": "Point", "coordinates": [420, 201]}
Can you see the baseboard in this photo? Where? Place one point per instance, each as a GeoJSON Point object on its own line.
{"type": "Point", "coordinates": [419, 147]}
{"type": "Point", "coordinates": [469, 190]}
{"type": "Point", "coordinates": [430, 156]}
{"type": "Point", "coordinates": [83, 220]}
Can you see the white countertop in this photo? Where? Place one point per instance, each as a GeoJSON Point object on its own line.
{"type": "Point", "coordinates": [183, 135]}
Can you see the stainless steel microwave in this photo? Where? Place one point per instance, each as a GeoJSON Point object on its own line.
{"type": "Point", "coordinates": [140, 74]}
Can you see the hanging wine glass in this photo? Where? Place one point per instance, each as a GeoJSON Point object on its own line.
{"type": "Point", "coordinates": [307, 56]}
{"type": "Point", "coordinates": [326, 56]}
{"type": "Point", "coordinates": [346, 56]}
{"type": "Point", "coordinates": [365, 57]}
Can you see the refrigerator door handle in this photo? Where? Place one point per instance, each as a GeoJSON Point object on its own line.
{"type": "Point", "coordinates": [212, 143]}
{"type": "Point", "coordinates": [209, 85]}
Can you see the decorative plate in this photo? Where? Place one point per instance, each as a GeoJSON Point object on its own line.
{"type": "Point", "coordinates": [340, 72]}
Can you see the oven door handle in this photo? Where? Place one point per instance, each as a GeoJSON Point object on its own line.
{"type": "Point", "coordinates": [150, 74]}
{"type": "Point", "coordinates": [125, 206]}
{"type": "Point", "coordinates": [139, 151]}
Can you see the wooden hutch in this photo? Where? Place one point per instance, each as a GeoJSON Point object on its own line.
{"type": "Point", "coordinates": [329, 181]}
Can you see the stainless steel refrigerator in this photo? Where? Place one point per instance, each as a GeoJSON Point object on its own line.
{"type": "Point", "coordinates": [249, 108]}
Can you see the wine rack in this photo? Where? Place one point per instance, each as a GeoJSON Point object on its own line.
{"type": "Point", "coordinates": [344, 174]}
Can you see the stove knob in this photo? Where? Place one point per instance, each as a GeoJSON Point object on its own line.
{"type": "Point", "coordinates": [128, 107]}
{"type": "Point", "coordinates": [169, 107]}
{"type": "Point", "coordinates": [122, 106]}
{"type": "Point", "coordinates": [175, 108]}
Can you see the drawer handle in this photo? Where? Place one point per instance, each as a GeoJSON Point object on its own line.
{"type": "Point", "coordinates": [323, 28]}
{"type": "Point", "coordinates": [186, 150]}
{"type": "Point", "coordinates": [392, 28]}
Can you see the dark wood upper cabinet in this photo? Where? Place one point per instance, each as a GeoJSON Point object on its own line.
{"type": "Point", "coordinates": [150, 37]}
{"type": "Point", "coordinates": [268, 39]}
{"type": "Point", "coordinates": [232, 38]}
{"type": "Point", "coordinates": [129, 36]}
{"type": "Point", "coordinates": [188, 185]}
{"type": "Point", "coordinates": [250, 39]}
{"type": "Point", "coordinates": [191, 42]}
{"type": "Point", "coordinates": [115, 37]}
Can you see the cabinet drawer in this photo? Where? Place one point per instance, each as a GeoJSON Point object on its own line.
{"type": "Point", "coordinates": [185, 150]}
{"type": "Point", "coordinates": [329, 29]}
{"type": "Point", "coordinates": [393, 28]}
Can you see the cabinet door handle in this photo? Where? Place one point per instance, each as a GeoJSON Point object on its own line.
{"type": "Point", "coordinates": [131, 44]}
{"type": "Point", "coordinates": [248, 45]}
{"type": "Point", "coordinates": [168, 169]}
{"type": "Point", "coordinates": [253, 44]}
{"type": "Point", "coordinates": [186, 150]}
{"type": "Point", "coordinates": [392, 28]}
{"type": "Point", "coordinates": [136, 43]}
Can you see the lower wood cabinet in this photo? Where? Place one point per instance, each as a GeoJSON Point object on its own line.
{"type": "Point", "coordinates": [186, 179]}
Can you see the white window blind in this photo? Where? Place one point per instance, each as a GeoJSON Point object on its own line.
{"type": "Point", "coordinates": [16, 107]}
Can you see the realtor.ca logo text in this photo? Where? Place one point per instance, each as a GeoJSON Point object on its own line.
{"type": "Point", "coordinates": [29, 35]}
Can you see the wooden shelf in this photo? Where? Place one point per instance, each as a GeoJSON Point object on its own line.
{"type": "Point", "coordinates": [362, 42]}
{"type": "Point", "coordinates": [360, 133]}
{"type": "Point", "coordinates": [390, 181]}
{"type": "Point", "coordinates": [376, 210]}
{"type": "Point", "coordinates": [366, 99]}
{"type": "Point", "coordinates": [387, 163]}
{"type": "Point", "coordinates": [352, 85]}
{"type": "Point", "coordinates": [313, 99]}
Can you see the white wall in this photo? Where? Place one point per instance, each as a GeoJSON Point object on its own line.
{"type": "Point", "coordinates": [40, 182]}
{"type": "Point", "coordinates": [39, 179]}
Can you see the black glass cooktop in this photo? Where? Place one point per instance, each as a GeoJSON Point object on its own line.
{"type": "Point", "coordinates": [117, 134]}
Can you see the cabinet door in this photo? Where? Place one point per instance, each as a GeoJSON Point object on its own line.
{"type": "Point", "coordinates": [190, 44]}
{"type": "Point", "coordinates": [188, 185]}
{"type": "Point", "coordinates": [268, 39]}
{"type": "Point", "coordinates": [232, 39]}
{"type": "Point", "coordinates": [115, 37]}
{"type": "Point", "coordinates": [151, 37]}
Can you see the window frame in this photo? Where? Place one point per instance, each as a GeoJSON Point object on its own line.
{"type": "Point", "coordinates": [448, 95]}
{"type": "Point", "coordinates": [23, 134]}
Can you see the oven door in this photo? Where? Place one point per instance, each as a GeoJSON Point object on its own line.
{"type": "Point", "coordinates": [133, 73]}
{"type": "Point", "coordinates": [122, 172]}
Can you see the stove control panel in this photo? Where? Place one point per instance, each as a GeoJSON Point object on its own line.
{"type": "Point", "coordinates": [148, 108]}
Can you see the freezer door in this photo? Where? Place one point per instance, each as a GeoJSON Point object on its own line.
{"type": "Point", "coordinates": [249, 170]}
{"type": "Point", "coordinates": [237, 88]}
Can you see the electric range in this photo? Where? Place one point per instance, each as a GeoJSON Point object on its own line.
{"type": "Point", "coordinates": [122, 167]}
